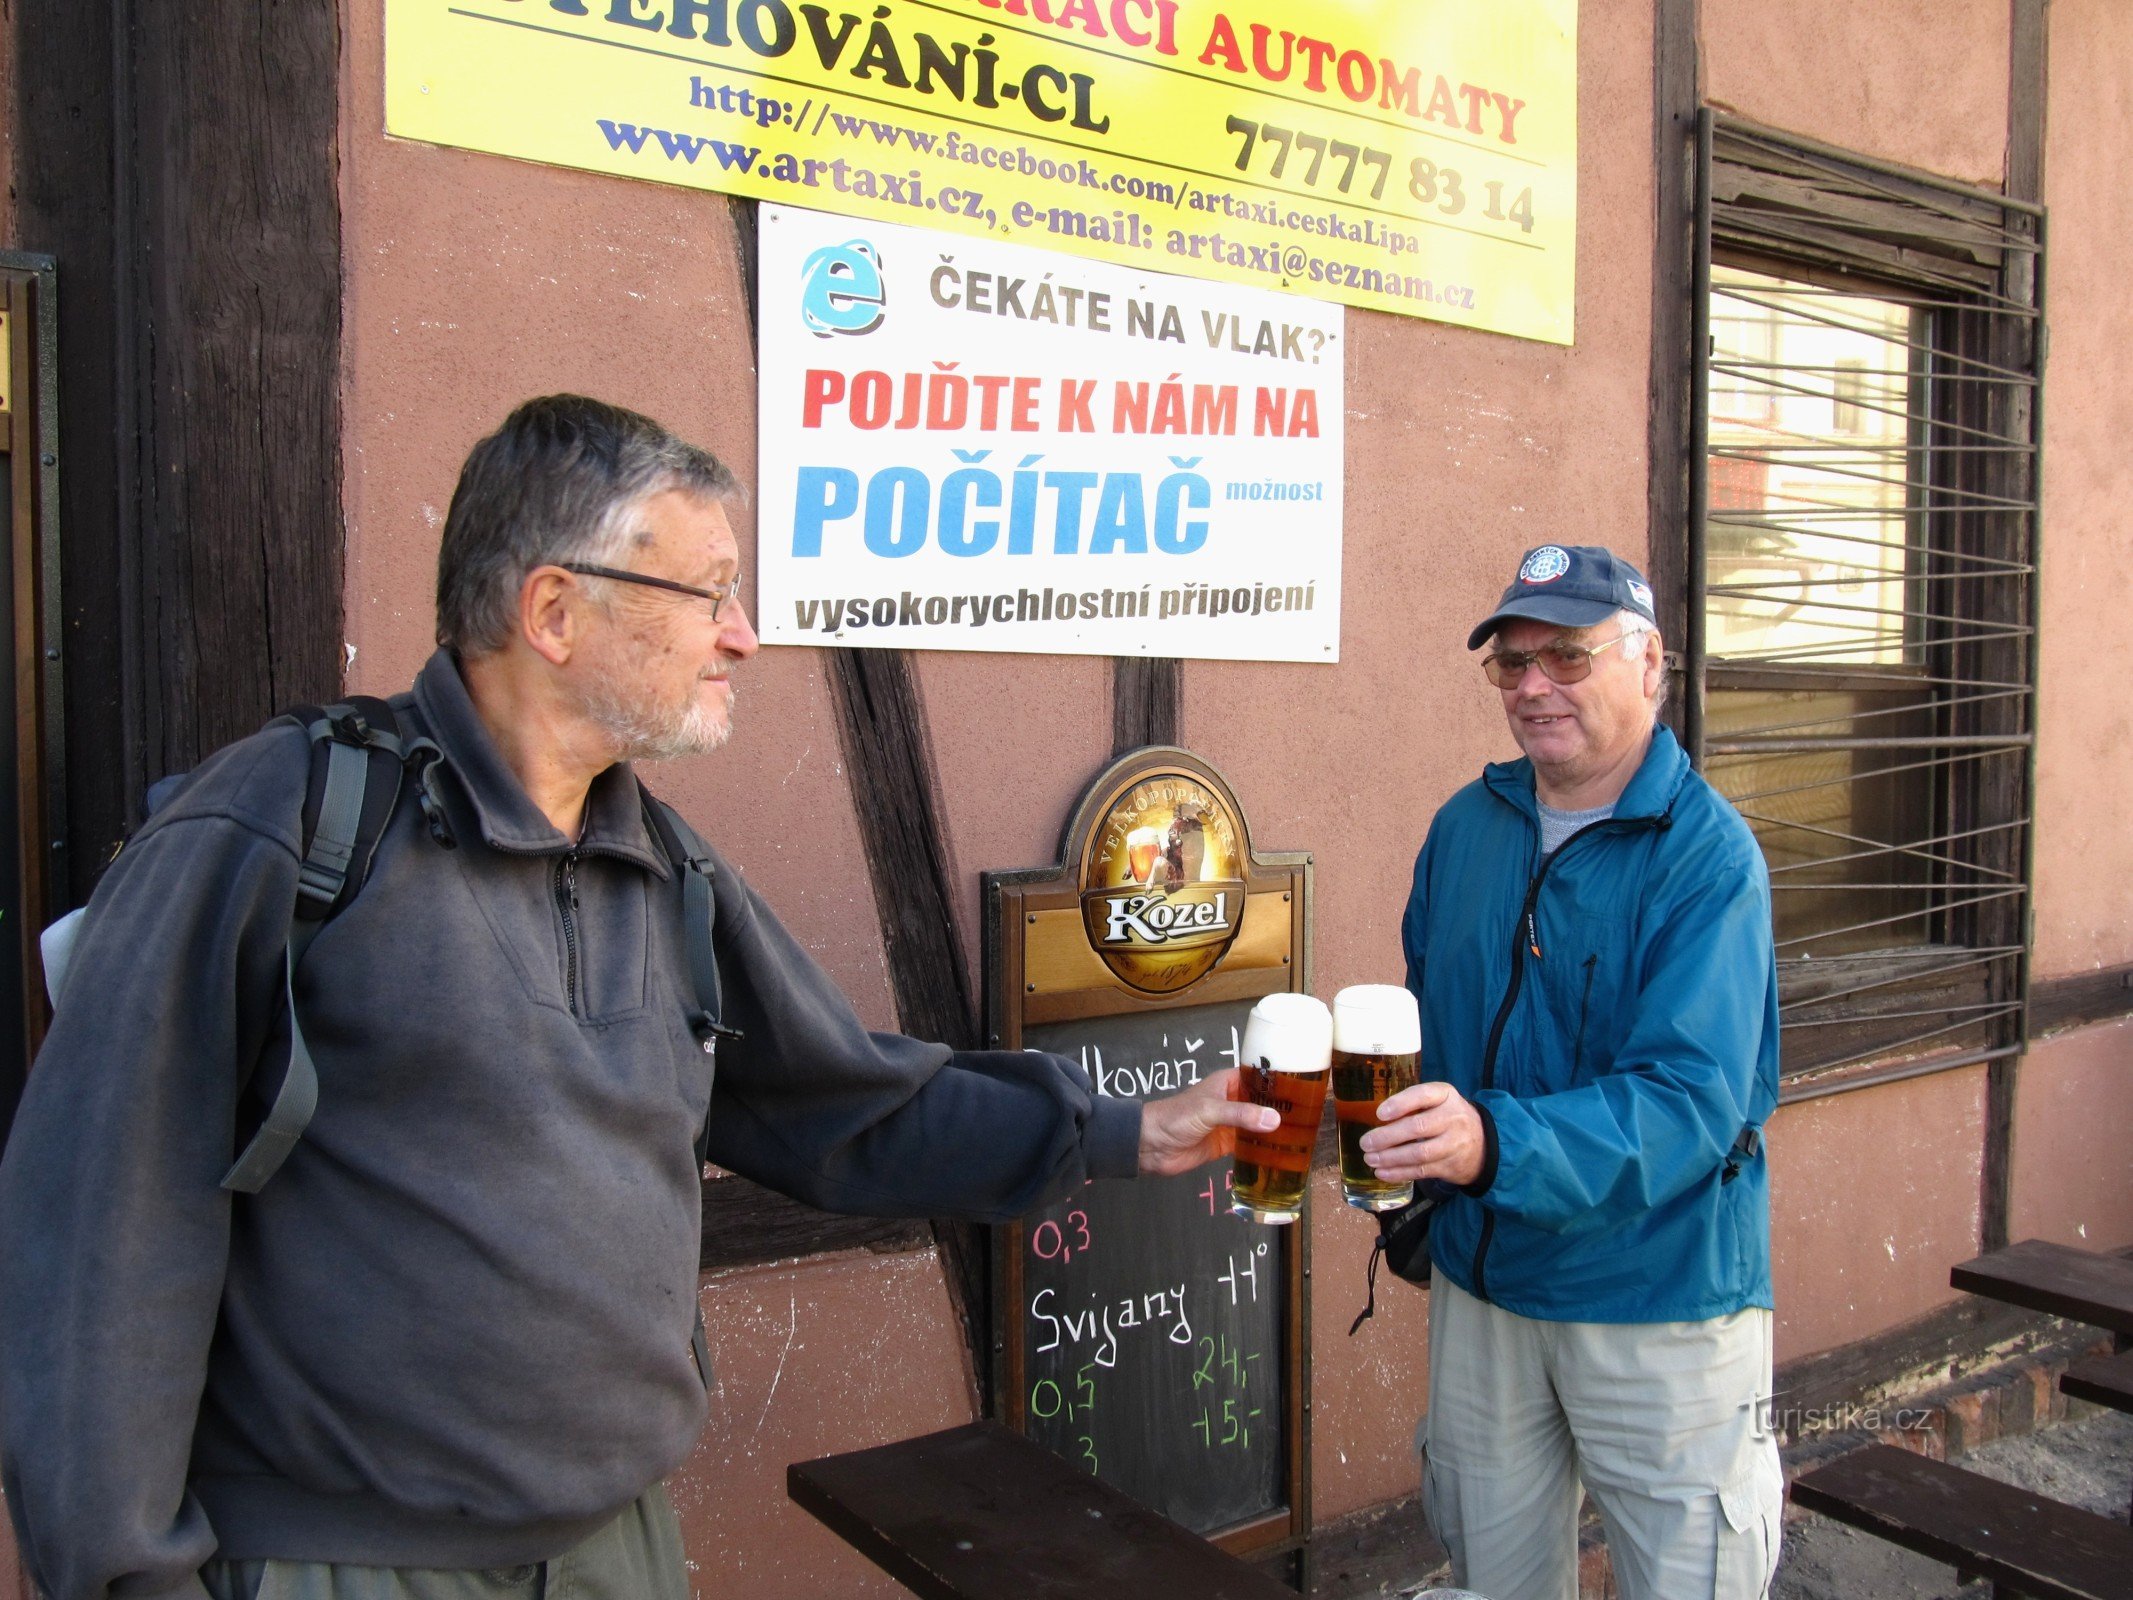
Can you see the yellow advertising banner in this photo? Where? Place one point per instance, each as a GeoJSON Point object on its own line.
{"type": "Point", "coordinates": [1416, 156]}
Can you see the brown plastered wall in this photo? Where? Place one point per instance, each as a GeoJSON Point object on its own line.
{"type": "Point", "coordinates": [475, 282]}
{"type": "Point", "coordinates": [2073, 1164]}
{"type": "Point", "coordinates": [834, 1354]}
{"type": "Point", "coordinates": [1874, 1194]}
{"type": "Point", "coordinates": [2085, 726]}
{"type": "Point", "coordinates": [1015, 740]}
{"type": "Point", "coordinates": [1923, 82]}
{"type": "Point", "coordinates": [1367, 1391]}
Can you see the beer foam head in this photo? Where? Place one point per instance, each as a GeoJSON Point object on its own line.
{"type": "Point", "coordinates": [1376, 1019]}
{"type": "Point", "coordinates": [1289, 1033]}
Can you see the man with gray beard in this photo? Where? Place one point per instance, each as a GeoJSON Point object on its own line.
{"type": "Point", "coordinates": [450, 1349]}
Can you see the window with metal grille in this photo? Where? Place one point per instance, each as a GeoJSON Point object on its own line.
{"type": "Point", "coordinates": [1860, 660]}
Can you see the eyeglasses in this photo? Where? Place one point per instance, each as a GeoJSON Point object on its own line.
{"type": "Point", "coordinates": [717, 596]}
{"type": "Point", "coordinates": [1559, 663]}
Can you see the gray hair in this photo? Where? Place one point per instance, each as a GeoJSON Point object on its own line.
{"type": "Point", "coordinates": [559, 481]}
{"type": "Point", "coordinates": [1633, 628]}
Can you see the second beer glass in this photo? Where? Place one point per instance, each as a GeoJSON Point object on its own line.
{"type": "Point", "coordinates": [1288, 1044]}
{"type": "Point", "coordinates": [1377, 1049]}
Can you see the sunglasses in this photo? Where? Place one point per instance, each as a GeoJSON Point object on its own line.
{"type": "Point", "coordinates": [717, 596]}
{"type": "Point", "coordinates": [1559, 663]}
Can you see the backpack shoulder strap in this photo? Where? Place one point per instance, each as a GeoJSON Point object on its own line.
{"type": "Point", "coordinates": [694, 865]}
{"type": "Point", "coordinates": [697, 870]}
{"type": "Point", "coordinates": [358, 758]}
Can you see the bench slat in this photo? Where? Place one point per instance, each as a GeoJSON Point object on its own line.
{"type": "Point", "coordinates": [2053, 1278]}
{"type": "Point", "coordinates": [981, 1513]}
{"type": "Point", "coordinates": [2107, 1380]}
{"type": "Point", "coordinates": [2033, 1545]}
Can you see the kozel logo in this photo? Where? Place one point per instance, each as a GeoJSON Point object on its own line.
{"type": "Point", "coordinates": [841, 289]}
{"type": "Point", "coordinates": [1162, 886]}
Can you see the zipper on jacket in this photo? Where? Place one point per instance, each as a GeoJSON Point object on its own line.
{"type": "Point", "coordinates": [1577, 1049]}
{"type": "Point", "coordinates": [1519, 935]}
{"type": "Point", "coordinates": [1525, 936]}
{"type": "Point", "coordinates": [566, 901]}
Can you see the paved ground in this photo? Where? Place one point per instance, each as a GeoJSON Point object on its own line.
{"type": "Point", "coordinates": [2087, 1463]}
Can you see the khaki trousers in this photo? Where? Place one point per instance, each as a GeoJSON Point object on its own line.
{"type": "Point", "coordinates": [636, 1557]}
{"type": "Point", "coordinates": [1665, 1424]}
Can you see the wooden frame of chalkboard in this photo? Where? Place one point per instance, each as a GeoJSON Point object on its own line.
{"type": "Point", "coordinates": [1194, 1396]}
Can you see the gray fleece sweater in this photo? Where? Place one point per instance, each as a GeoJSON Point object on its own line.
{"type": "Point", "coordinates": [454, 1330]}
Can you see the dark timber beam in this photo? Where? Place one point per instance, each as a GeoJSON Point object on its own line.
{"type": "Point", "coordinates": [1147, 701]}
{"type": "Point", "coordinates": [181, 165]}
{"type": "Point", "coordinates": [1676, 95]}
{"type": "Point", "coordinates": [2026, 104]}
{"type": "Point", "coordinates": [65, 192]}
{"type": "Point", "coordinates": [2080, 999]}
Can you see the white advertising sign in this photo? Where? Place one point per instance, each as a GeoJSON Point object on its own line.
{"type": "Point", "coordinates": [977, 446]}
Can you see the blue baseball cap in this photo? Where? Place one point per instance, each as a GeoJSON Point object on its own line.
{"type": "Point", "coordinates": [1573, 585]}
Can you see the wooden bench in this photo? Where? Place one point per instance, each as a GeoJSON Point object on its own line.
{"type": "Point", "coordinates": [2054, 1278]}
{"type": "Point", "coordinates": [2026, 1544]}
{"type": "Point", "coordinates": [2105, 1380]}
{"type": "Point", "coordinates": [981, 1513]}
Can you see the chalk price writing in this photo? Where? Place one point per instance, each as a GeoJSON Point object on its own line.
{"type": "Point", "coordinates": [1236, 1428]}
{"type": "Point", "coordinates": [1048, 1400]}
{"type": "Point", "coordinates": [1441, 188]}
{"type": "Point", "coordinates": [1234, 1418]}
{"type": "Point", "coordinates": [1053, 1243]}
{"type": "Point", "coordinates": [1218, 1354]}
{"type": "Point", "coordinates": [1250, 1274]}
{"type": "Point", "coordinates": [1218, 1203]}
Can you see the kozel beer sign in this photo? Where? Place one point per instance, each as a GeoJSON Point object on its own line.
{"type": "Point", "coordinates": [1158, 899]}
{"type": "Point", "coordinates": [1163, 883]}
{"type": "Point", "coordinates": [1138, 953]}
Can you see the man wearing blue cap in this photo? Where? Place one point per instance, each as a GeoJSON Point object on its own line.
{"type": "Point", "coordinates": [1589, 940]}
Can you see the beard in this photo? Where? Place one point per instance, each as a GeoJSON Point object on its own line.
{"type": "Point", "coordinates": [643, 729]}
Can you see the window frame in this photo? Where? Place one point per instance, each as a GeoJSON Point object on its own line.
{"type": "Point", "coordinates": [1772, 203]}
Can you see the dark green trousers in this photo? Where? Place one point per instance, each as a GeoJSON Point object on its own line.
{"type": "Point", "coordinates": [635, 1557]}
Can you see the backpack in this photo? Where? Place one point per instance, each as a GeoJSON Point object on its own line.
{"type": "Point", "coordinates": [360, 757]}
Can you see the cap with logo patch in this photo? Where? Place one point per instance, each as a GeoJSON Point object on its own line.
{"type": "Point", "coordinates": [1572, 585]}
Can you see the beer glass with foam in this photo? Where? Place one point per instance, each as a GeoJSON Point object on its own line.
{"type": "Point", "coordinates": [1377, 1051]}
{"type": "Point", "coordinates": [1144, 847]}
{"type": "Point", "coordinates": [1283, 1062]}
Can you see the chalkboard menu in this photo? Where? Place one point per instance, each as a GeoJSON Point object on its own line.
{"type": "Point", "coordinates": [1143, 1331]}
{"type": "Point", "coordinates": [1154, 1319]}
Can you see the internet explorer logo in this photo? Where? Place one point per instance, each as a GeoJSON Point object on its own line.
{"type": "Point", "coordinates": [841, 289]}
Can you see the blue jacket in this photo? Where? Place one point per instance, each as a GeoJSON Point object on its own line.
{"type": "Point", "coordinates": [1612, 1012]}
